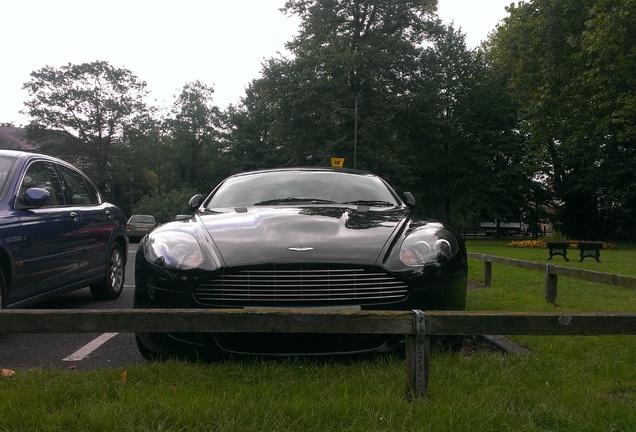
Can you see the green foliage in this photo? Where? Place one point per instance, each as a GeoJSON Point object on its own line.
{"type": "Point", "coordinates": [104, 125]}
{"type": "Point", "coordinates": [143, 163]}
{"type": "Point", "coordinates": [558, 237]}
{"type": "Point", "coordinates": [430, 118]}
{"type": "Point", "coordinates": [196, 128]}
{"type": "Point", "coordinates": [92, 104]}
{"type": "Point", "coordinates": [475, 135]}
{"type": "Point", "coordinates": [570, 66]}
{"type": "Point", "coordinates": [345, 52]}
{"type": "Point", "coordinates": [165, 206]}
{"type": "Point", "coordinates": [468, 157]}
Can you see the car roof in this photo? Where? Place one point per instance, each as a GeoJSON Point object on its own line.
{"type": "Point", "coordinates": [30, 155]}
{"type": "Point", "coordinates": [305, 169]}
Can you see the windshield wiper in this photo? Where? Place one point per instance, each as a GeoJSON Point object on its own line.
{"type": "Point", "coordinates": [294, 200]}
{"type": "Point", "coordinates": [371, 203]}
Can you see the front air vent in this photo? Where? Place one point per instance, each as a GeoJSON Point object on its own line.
{"type": "Point", "coordinates": [301, 288]}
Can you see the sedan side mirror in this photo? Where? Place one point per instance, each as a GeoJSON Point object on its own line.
{"type": "Point", "coordinates": [195, 202]}
{"type": "Point", "coordinates": [409, 199]}
{"type": "Point", "coordinates": [36, 197]}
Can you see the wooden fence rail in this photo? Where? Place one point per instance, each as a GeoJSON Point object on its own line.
{"type": "Point", "coordinates": [417, 326]}
{"type": "Point", "coordinates": [552, 272]}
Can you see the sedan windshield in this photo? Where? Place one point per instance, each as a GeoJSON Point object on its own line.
{"type": "Point", "coordinates": [6, 165]}
{"type": "Point", "coordinates": [303, 187]}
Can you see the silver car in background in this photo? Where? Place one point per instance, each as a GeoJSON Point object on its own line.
{"type": "Point", "coordinates": [140, 225]}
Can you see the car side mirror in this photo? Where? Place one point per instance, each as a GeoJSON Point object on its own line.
{"type": "Point", "coordinates": [36, 197]}
{"type": "Point", "coordinates": [195, 202]}
{"type": "Point", "coordinates": [409, 199]}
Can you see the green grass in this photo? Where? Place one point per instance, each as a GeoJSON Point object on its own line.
{"type": "Point", "coordinates": [570, 383]}
{"type": "Point", "coordinates": [619, 260]}
{"type": "Point", "coordinates": [524, 290]}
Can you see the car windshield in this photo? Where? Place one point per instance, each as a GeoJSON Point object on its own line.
{"type": "Point", "coordinates": [303, 187]}
{"type": "Point", "coordinates": [6, 165]}
{"type": "Point", "coordinates": [142, 219]}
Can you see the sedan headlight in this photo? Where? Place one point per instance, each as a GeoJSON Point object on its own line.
{"type": "Point", "coordinates": [173, 249]}
{"type": "Point", "coordinates": [428, 245]}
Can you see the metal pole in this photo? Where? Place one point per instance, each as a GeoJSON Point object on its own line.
{"type": "Point", "coordinates": [355, 135]}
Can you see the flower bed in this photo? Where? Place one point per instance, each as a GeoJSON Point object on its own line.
{"type": "Point", "coordinates": [542, 244]}
{"type": "Point", "coordinates": [531, 244]}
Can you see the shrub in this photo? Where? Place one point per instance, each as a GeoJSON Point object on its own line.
{"type": "Point", "coordinates": [165, 206]}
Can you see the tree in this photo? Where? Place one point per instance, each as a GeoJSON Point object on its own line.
{"type": "Point", "coordinates": [428, 115]}
{"type": "Point", "coordinates": [364, 51]}
{"type": "Point", "coordinates": [250, 143]}
{"type": "Point", "coordinates": [535, 46]}
{"type": "Point", "coordinates": [607, 109]}
{"type": "Point", "coordinates": [570, 65]}
{"type": "Point", "coordinates": [91, 104]}
{"type": "Point", "coordinates": [195, 129]}
{"type": "Point", "coordinates": [346, 51]}
{"type": "Point", "coordinates": [461, 133]}
{"type": "Point", "coordinates": [143, 162]}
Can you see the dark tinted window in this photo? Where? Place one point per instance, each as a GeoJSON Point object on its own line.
{"type": "Point", "coordinates": [43, 175]}
{"type": "Point", "coordinates": [79, 190]}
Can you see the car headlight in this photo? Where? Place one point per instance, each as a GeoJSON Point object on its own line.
{"type": "Point", "coordinates": [173, 249]}
{"type": "Point", "coordinates": [428, 245]}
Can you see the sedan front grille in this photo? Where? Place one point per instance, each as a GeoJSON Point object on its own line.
{"type": "Point", "coordinates": [301, 288]}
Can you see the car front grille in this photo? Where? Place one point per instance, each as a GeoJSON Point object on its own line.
{"type": "Point", "coordinates": [301, 288]}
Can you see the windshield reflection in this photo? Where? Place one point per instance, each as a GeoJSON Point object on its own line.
{"type": "Point", "coordinates": [310, 187]}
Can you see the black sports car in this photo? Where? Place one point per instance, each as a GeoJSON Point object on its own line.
{"type": "Point", "coordinates": [297, 238]}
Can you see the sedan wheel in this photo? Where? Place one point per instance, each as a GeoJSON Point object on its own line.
{"type": "Point", "coordinates": [113, 284]}
{"type": "Point", "coordinates": [3, 290]}
{"type": "Point", "coordinates": [146, 352]}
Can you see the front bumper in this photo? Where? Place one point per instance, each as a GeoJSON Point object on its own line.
{"type": "Point", "coordinates": [157, 287]}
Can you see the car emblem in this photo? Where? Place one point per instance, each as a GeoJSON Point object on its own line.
{"type": "Point", "coordinates": [300, 249]}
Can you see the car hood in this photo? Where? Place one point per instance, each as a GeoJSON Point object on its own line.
{"type": "Point", "coordinates": [302, 235]}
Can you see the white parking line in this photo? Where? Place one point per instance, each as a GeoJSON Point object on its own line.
{"type": "Point", "coordinates": [89, 347]}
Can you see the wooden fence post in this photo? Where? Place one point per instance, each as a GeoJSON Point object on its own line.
{"type": "Point", "coordinates": [418, 358]}
{"type": "Point", "coordinates": [487, 271]}
{"type": "Point", "coordinates": [550, 285]}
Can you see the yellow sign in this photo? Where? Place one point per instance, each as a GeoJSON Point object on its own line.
{"type": "Point", "coordinates": [337, 162]}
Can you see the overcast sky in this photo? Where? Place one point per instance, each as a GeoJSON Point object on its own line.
{"type": "Point", "coordinates": [221, 43]}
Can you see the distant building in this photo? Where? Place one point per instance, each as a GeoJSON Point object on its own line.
{"type": "Point", "coordinates": [14, 138]}
{"type": "Point", "coordinates": [17, 138]}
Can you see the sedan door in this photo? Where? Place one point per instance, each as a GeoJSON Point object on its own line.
{"type": "Point", "coordinates": [98, 221]}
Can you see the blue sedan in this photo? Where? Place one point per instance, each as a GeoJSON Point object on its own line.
{"type": "Point", "coordinates": [57, 234]}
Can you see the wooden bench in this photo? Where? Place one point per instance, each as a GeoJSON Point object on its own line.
{"type": "Point", "coordinates": [586, 250]}
{"type": "Point", "coordinates": [558, 248]}
{"type": "Point", "coordinates": [590, 250]}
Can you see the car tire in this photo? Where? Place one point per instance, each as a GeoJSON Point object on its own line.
{"type": "Point", "coordinates": [147, 353]}
{"type": "Point", "coordinates": [113, 284]}
{"type": "Point", "coordinates": [3, 290]}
